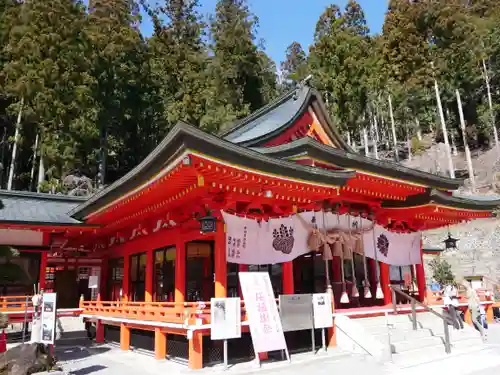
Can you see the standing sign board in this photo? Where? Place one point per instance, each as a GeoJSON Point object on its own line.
{"type": "Point", "coordinates": [225, 318]}
{"type": "Point", "coordinates": [48, 318]}
{"type": "Point", "coordinates": [322, 308]}
{"type": "Point", "coordinates": [93, 282]}
{"type": "Point", "coordinates": [296, 312]}
{"type": "Point", "coordinates": [263, 317]}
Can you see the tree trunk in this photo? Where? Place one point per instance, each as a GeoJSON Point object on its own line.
{"type": "Point", "coordinates": [419, 131]}
{"type": "Point", "coordinates": [466, 145]}
{"type": "Point", "coordinates": [365, 141]}
{"type": "Point", "coordinates": [14, 146]}
{"type": "Point", "coordinates": [103, 157]}
{"type": "Point", "coordinates": [375, 137]}
{"type": "Point", "coordinates": [451, 169]}
{"type": "Point", "coordinates": [408, 142]}
{"type": "Point", "coordinates": [41, 173]}
{"type": "Point", "coordinates": [490, 102]}
{"type": "Point", "coordinates": [33, 163]}
{"type": "Point", "coordinates": [393, 128]}
{"type": "Point", "coordinates": [349, 138]}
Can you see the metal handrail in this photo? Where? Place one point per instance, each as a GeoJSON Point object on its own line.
{"type": "Point", "coordinates": [414, 303]}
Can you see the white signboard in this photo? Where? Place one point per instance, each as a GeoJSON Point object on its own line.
{"type": "Point", "coordinates": [262, 311]}
{"type": "Point", "coordinates": [225, 318]}
{"type": "Point", "coordinates": [48, 318]}
{"type": "Point", "coordinates": [93, 282]}
{"type": "Point", "coordinates": [322, 309]}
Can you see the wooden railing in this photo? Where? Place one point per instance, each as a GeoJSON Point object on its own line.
{"type": "Point", "coordinates": [15, 303]}
{"type": "Point", "coordinates": [436, 298]}
{"type": "Point", "coordinates": [168, 312]}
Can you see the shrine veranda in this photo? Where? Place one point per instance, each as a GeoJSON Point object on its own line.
{"type": "Point", "coordinates": [156, 239]}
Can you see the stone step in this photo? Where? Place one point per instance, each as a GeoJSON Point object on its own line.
{"type": "Point", "coordinates": [427, 354]}
{"type": "Point", "coordinates": [412, 344]}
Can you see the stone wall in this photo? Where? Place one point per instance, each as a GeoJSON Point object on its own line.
{"type": "Point", "coordinates": [478, 251]}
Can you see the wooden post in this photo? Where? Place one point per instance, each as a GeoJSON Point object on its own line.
{"type": "Point", "coordinates": [490, 317]}
{"type": "Point", "coordinates": [220, 261]}
{"type": "Point", "coordinates": [99, 332]}
{"type": "Point", "coordinates": [288, 285]}
{"type": "Point", "coordinates": [384, 282]}
{"type": "Point", "coordinates": [180, 271]}
{"type": "Point", "coordinates": [196, 351]}
{"type": "Point", "coordinates": [149, 275]}
{"type": "Point", "coordinates": [126, 277]}
{"type": "Point", "coordinates": [43, 269]}
{"type": "Point", "coordinates": [103, 282]}
{"type": "Point", "coordinates": [124, 337]}
{"type": "Point", "coordinates": [160, 344]}
{"type": "Point", "coordinates": [420, 274]}
{"type": "Point", "coordinates": [241, 268]}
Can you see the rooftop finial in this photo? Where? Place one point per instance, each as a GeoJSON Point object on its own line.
{"type": "Point", "coordinates": [300, 85]}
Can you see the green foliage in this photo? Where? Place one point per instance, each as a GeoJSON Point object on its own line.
{"type": "Point", "coordinates": [100, 94]}
{"type": "Point", "coordinates": [338, 62]}
{"type": "Point", "coordinates": [294, 68]}
{"type": "Point", "coordinates": [441, 271]}
{"type": "Point", "coordinates": [239, 72]}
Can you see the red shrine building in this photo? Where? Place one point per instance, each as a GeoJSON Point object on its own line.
{"type": "Point", "coordinates": [157, 271]}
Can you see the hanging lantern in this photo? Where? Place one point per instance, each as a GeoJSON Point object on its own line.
{"type": "Point", "coordinates": [450, 243]}
{"type": "Point", "coordinates": [208, 224]}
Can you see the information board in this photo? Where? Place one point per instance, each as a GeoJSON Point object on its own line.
{"type": "Point", "coordinates": [262, 311]}
{"type": "Point", "coordinates": [225, 318]}
{"type": "Point", "coordinates": [322, 309]}
{"type": "Point", "coordinates": [296, 312]}
{"type": "Point", "coordinates": [93, 282]}
{"type": "Point", "coordinates": [48, 318]}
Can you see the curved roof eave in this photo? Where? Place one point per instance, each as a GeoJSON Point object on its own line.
{"type": "Point", "coordinates": [351, 160]}
{"type": "Point", "coordinates": [440, 198]}
{"type": "Point", "coordinates": [276, 117]}
{"type": "Point", "coordinates": [183, 138]}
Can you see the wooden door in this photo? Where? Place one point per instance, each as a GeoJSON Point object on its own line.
{"type": "Point", "coordinates": [66, 288]}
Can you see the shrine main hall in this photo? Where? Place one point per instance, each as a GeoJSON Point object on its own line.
{"type": "Point", "coordinates": [156, 242]}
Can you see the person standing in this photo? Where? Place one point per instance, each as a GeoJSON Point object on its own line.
{"type": "Point", "coordinates": [474, 308]}
{"type": "Point", "coordinates": [450, 300]}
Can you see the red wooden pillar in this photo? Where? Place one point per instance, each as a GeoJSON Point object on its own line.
{"type": "Point", "coordinates": [43, 268]}
{"type": "Point", "coordinates": [420, 275]}
{"type": "Point", "coordinates": [103, 282]}
{"type": "Point", "coordinates": [126, 278]}
{"type": "Point", "coordinates": [372, 265]}
{"type": "Point", "coordinates": [180, 271]}
{"type": "Point", "coordinates": [336, 270]}
{"type": "Point", "coordinates": [124, 337]}
{"type": "Point", "coordinates": [384, 282]}
{"type": "Point", "coordinates": [160, 344]}
{"type": "Point", "coordinates": [149, 275]}
{"type": "Point", "coordinates": [99, 332]}
{"type": "Point", "coordinates": [220, 261]}
{"type": "Point", "coordinates": [287, 274]}
{"type": "Point", "coordinates": [241, 268]}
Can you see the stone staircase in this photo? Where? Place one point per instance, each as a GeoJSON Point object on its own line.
{"type": "Point", "coordinates": [426, 344]}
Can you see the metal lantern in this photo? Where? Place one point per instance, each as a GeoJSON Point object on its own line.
{"type": "Point", "coordinates": [450, 243]}
{"type": "Point", "coordinates": [208, 224]}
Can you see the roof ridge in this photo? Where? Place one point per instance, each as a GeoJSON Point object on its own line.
{"type": "Point", "coordinates": [43, 196]}
{"type": "Point", "coordinates": [237, 124]}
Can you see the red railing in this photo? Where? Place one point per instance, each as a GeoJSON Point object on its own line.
{"type": "Point", "coordinates": [15, 303]}
{"type": "Point", "coordinates": [169, 312]}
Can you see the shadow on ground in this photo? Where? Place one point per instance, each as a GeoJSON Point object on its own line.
{"type": "Point", "coordinates": [69, 354]}
{"type": "Point", "coordinates": [88, 370]}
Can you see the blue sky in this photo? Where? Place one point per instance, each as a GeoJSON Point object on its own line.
{"type": "Point", "coordinates": [283, 21]}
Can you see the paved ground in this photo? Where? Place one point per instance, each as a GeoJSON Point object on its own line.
{"type": "Point", "coordinates": [109, 360]}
